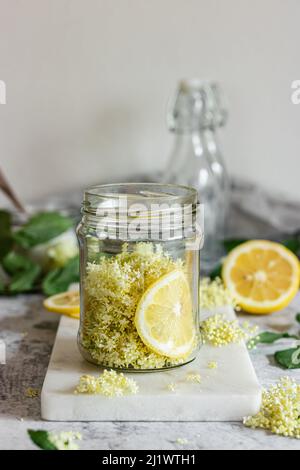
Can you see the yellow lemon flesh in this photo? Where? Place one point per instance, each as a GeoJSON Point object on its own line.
{"type": "Point", "coordinates": [67, 303]}
{"type": "Point", "coordinates": [164, 316]}
{"type": "Point", "coordinates": [262, 275]}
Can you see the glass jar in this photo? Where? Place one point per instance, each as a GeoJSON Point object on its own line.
{"type": "Point", "coordinates": [139, 246]}
{"type": "Point", "coordinates": [196, 159]}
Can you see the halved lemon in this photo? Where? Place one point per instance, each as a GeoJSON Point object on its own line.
{"type": "Point", "coordinates": [263, 276]}
{"type": "Point", "coordinates": [67, 303]}
{"type": "Point", "coordinates": [164, 316]}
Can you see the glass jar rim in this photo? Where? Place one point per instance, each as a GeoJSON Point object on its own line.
{"type": "Point", "coordinates": [152, 192]}
{"type": "Point", "coordinates": [163, 211]}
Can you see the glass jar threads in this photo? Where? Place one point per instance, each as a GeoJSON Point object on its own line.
{"type": "Point", "coordinates": [139, 247]}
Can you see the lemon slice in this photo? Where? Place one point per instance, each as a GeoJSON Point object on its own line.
{"type": "Point", "coordinates": [67, 303]}
{"type": "Point", "coordinates": [164, 316]}
{"type": "Point", "coordinates": [262, 275]}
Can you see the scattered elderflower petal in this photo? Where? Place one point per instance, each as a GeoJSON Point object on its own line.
{"type": "Point", "coordinates": [219, 331]}
{"type": "Point", "coordinates": [171, 387]}
{"type": "Point", "coordinates": [110, 384]}
{"type": "Point", "coordinates": [214, 294]}
{"type": "Point", "coordinates": [31, 392]}
{"type": "Point", "coordinates": [182, 441]}
{"type": "Point", "coordinates": [280, 410]}
{"type": "Point", "coordinates": [191, 377]}
{"type": "Point", "coordinates": [213, 365]}
{"type": "Point", "coordinates": [65, 440]}
{"type": "Point", "coordinates": [113, 289]}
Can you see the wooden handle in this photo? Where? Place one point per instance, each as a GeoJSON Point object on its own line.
{"type": "Point", "coordinates": [7, 189]}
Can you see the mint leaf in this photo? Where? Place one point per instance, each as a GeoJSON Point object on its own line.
{"type": "Point", "coordinates": [41, 439]}
{"type": "Point", "coordinates": [58, 280]}
{"type": "Point", "coordinates": [268, 337]}
{"type": "Point", "coordinates": [41, 228]}
{"type": "Point", "coordinates": [289, 358]}
{"type": "Point", "coordinates": [298, 317]}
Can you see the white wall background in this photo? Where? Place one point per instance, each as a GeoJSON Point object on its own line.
{"type": "Point", "coordinates": [88, 83]}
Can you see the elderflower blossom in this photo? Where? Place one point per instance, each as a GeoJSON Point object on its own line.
{"type": "Point", "coordinates": [31, 392]}
{"type": "Point", "coordinates": [182, 441]}
{"type": "Point", "coordinates": [195, 378]}
{"type": "Point", "coordinates": [214, 294]}
{"type": "Point", "coordinates": [171, 387]}
{"type": "Point", "coordinates": [280, 410]}
{"type": "Point", "coordinates": [113, 289]}
{"type": "Point", "coordinates": [110, 383]}
{"type": "Point", "coordinates": [219, 331]}
{"type": "Point", "coordinates": [65, 440]}
{"type": "Point", "coordinates": [212, 365]}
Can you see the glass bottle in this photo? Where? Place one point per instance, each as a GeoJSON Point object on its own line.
{"type": "Point", "coordinates": [196, 160]}
{"type": "Point", "coordinates": [139, 276]}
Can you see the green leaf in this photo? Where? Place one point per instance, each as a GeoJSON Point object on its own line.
{"type": "Point", "coordinates": [24, 272]}
{"type": "Point", "coordinates": [217, 272]}
{"type": "Point", "coordinates": [268, 337]}
{"type": "Point", "coordinates": [58, 280]}
{"type": "Point", "coordinates": [41, 228]}
{"type": "Point", "coordinates": [41, 439]}
{"type": "Point", "coordinates": [5, 222]}
{"type": "Point", "coordinates": [298, 317]}
{"type": "Point", "coordinates": [231, 243]}
{"type": "Point", "coordinates": [289, 358]}
{"type": "Point", "coordinates": [292, 244]}
{"type": "Point", "coordinates": [14, 263]}
{"type": "Point", "coordinates": [6, 240]}
{"type": "Point", "coordinates": [25, 280]}
{"type": "Point", "coordinates": [6, 244]}
{"type": "Point", "coordinates": [2, 287]}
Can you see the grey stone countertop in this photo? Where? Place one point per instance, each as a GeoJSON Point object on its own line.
{"type": "Point", "coordinates": [29, 332]}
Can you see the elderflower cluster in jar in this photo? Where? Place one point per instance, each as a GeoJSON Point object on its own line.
{"type": "Point", "coordinates": [113, 289]}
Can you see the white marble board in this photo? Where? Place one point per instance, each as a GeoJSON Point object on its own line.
{"type": "Point", "coordinates": [227, 393]}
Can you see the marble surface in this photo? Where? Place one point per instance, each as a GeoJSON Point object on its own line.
{"type": "Point", "coordinates": [234, 382]}
{"type": "Point", "coordinates": [29, 332]}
